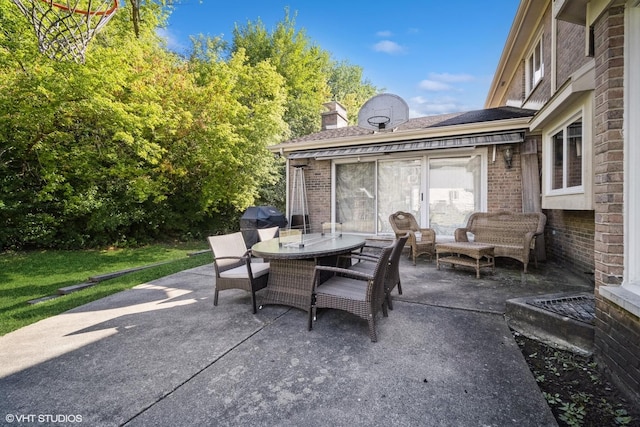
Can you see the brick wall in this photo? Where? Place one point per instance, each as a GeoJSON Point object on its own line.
{"type": "Point", "coordinates": [515, 94]}
{"type": "Point", "coordinates": [570, 50]}
{"type": "Point", "coordinates": [504, 185]}
{"type": "Point", "coordinates": [618, 346]}
{"type": "Point", "coordinates": [569, 239]}
{"type": "Point", "coordinates": [617, 330]}
{"type": "Point", "coordinates": [542, 92]}
{"type": "Point", "coordinates": [318, 182]}
{"type": "Point", "coordinates": [608, 145]}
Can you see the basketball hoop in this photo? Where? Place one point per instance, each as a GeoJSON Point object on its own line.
{"type": "Point", "coordinates": [379, 121]}
{"type": "Point", "coordinates": [383, 111]}
{"type": "Point", "coordinates": [65, 29]}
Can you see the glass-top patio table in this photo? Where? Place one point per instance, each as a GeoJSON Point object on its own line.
{"type": "Point", "coordinates": [293, 264]}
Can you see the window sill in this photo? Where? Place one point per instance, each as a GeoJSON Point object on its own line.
{"type": "Point", "coordinates": [579, 201]}
{"type": "Point", "coordinates": [622, 297]}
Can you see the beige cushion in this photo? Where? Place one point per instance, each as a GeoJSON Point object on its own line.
{"type": "Point", "coordinates": [227, 245]}
{"type": "Point", "coordinates": [267, 233]}
{"type": "Point", "coordinates": [257, 268]}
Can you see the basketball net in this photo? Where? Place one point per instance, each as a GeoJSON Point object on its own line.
{"type": "Point", "coordinates": [64, 30]}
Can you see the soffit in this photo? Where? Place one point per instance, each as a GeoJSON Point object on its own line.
{"type": "Point", "coordinates": [574, 11]}
{"type": "Point", "coordinates": [524, 27]}
{"type": "Point", "coordinates": [459, 125]}
{"type": "Point", "coordinates": [415, 145]}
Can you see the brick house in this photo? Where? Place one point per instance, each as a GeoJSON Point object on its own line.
{"type": "Point", "coordinates": [560, 133]}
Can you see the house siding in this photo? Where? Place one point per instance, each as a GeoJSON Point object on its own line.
{"type": "Point", "coordinates": [617, 341]}
{"type": "Point", "coordinates": [542, 91]}
{"type": "Point", "coordinates": [617, 331]}
{"type": "Point", "coordinates": [569, 239]}
{"type": "Point", "coordinates": [504, 186]}
{"type": "Point", "coordinates": [318, 182]}
{"type": "Point", "coordinates": [587, 241]}
{"type": "Point", "coordinates": [569, 235]}
{"type": "Point", "coordinates": [608, 146]}
{"type": "Point", "coordinates": [570, 50]}
{"type": "Point", "coordinates": [516, 92]}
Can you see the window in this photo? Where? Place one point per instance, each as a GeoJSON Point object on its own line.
{"type": "Point", "coordinates": [567, 155]}
{"type": "Point", "coordinates": [534, 67]}
{"type": "Point", "coordinates": [454, 192]}
{"type": "Point", "coordinates": [355, 202]}
{"type": "Point", "coordinates": [566, 149]}
{"type": "Point", "coordinates": [438, 189]}
{"type": "Point", "coordinates": [399, 189]}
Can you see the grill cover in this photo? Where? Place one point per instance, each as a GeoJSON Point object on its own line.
{"type": "Point", "coordinates": [256, 217]}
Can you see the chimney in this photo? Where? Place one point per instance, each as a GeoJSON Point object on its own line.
{"type": "Point", "coordinates": [335, 117]}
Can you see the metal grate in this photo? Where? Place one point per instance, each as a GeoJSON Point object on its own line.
{"type": "Point", "coordinates": [580, 307]}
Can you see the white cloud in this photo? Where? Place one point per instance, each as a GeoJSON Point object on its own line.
{"type": "Point", "coordinates": [384, 33]}
{"type": "Point", "coordinates": [451, 78]}
{"type": "Point", "coordinates": [420, 106]}
{"type": "Point", "coordinates": [433, 85]}
{"type": "Point", "coordinates": [387, 46]}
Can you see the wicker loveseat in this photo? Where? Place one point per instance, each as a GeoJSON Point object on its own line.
{"type": "Point", "coordinates": [512, 234]}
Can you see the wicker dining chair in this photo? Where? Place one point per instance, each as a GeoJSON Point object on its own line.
{"type": "Point", "coordinates": [404, 222]}
{"type": "Point", "coordinates": [366, 263]}
{"type": "Point", "coordinates": [235, 268]}
{"type": "Point", "coordinates": [359, 293]}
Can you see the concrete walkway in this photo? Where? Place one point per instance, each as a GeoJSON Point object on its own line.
{"type": "Point", "coordinates": [161, 355]}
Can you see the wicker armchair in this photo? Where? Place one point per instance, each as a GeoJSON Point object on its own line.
{"type": "Point", "coordinates": [235, 268]}
{"type": "Point", "coordinates": [356, 292]}
{"type": "Point", "coordinates": [392, 276]}
{"type": "Point", "coordinates": [404, 222]}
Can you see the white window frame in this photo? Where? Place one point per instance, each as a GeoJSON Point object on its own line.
{"type": "Point", "coordinates": [424, 156]}
{"type": "Point", "coordinates": [536, 52]}
{"type": "Point", "coordinates": [578, 197]}
{"type": "Point", "coordinates": [578, 189]}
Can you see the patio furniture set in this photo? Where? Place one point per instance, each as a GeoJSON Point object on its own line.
{"type": "Point", "coordinates": [499, 234]}
{"type": "Point", "coordinates": [310, 271]}
{"type": "Point", "coordinates": [333, 270]}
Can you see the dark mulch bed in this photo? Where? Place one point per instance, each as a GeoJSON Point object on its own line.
{"type": "Point", "coordinates": [575, 389]}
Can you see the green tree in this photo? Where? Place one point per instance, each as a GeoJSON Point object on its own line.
{"type": "Point", "coordinates": [304, 66]}
{"type": "Point", "coordinates": [348, 87]}
{"type": "Point", "coordinates": [82, 168]}
{"type": "Point", "coordinates": [133, 144]}
{"type": "Point", "coordinates": [138, 142]}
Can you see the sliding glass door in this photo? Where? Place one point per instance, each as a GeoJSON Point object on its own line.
{"type": "Point", "coordinates": [454, 192]}
{"type": "Point", "coordinates": [399, 189]}
{"type": "Point", "coordinates": [355, 205]}
{"type": "Point", "coordinates": [440, 191]}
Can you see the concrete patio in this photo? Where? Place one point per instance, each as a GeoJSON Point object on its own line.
{"type": "Point", "coordinates": [161, 354]}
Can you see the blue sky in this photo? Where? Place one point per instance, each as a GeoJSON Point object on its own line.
{"type": "Point", "coordinates": [439, 56]}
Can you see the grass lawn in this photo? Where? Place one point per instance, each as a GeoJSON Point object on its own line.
{"type": "Point", "coordinates": [25, 276]}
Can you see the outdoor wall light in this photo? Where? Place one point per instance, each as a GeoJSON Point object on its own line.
{"type": "Point", "coordinates": [508, 156]}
